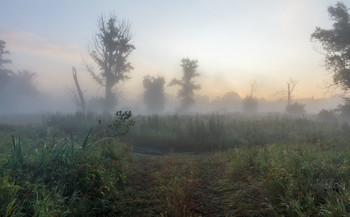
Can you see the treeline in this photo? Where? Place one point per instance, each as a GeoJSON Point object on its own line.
{"type": "Point", "coordinates": [15, 86]}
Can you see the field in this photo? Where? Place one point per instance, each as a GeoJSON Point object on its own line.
{"type": "Point", "coordinates": [175, 165]}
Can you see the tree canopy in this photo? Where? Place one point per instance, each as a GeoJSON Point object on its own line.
{"type": "Point", "coordinates": [154, 96]}
{"type": "Point", "coordinates": [336, 43]}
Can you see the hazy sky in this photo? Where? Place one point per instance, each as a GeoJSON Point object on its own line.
{"type": "Point", "coordinates": [234, 41]}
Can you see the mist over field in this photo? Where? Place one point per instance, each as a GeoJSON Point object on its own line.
{"type": "Point", "coordinates": [231, 49]}
{"type": "Point", "coordinates": [175, 108]}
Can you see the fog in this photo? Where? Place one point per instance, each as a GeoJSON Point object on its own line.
{"type": "Point", "coordinates": [226, 56]}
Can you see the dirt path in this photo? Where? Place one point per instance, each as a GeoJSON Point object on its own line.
{"type": "Point", "coordinates": [177, 186]}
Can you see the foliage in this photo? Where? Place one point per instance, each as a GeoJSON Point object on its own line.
{"type": "Point", "coordinates": [336, 44]}
{"type": "Point", "coordinates": [122, 123]}
{"type": "Point", "coordinates": [187, 85]}
{"type": "Point", "coordinates": [111, 49]}
{"type": "Point", "coordinates": [154, 96]}
{"type": "Point", "coordinates": [326, 116]}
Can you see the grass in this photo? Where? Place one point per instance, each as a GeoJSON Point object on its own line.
{"type": "Point", "coordinates": [268, 166]}
{"type": "Point", "coordinates": [67, 178]}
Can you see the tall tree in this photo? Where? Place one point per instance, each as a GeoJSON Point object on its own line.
{"type": "Point", "coordinates": [187, 84]}
{"type": "Point", "coordinates": [336, 44]}
{"type": "Point", "coordinates": [111, 49]}
{"type": "Point", "coordinates": [154, 96]}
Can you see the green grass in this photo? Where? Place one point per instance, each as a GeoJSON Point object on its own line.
{"type": "Point", "coordinates": [67, 178]}
{"type": "Point", "coordinates": [296, 180]}
{"type": "Point", "coordinates": [268, 166]}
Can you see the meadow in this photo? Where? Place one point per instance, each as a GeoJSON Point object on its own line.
{"type": "Point", "coordinates": [86, 164]}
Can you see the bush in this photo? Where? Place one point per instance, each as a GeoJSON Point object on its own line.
{"type": "Point", "coordinates": [295, 109]}
{"type": "Point", "coordinates": [326, 116]}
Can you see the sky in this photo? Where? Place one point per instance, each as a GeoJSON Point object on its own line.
{"type": "Point", "coordinates": [235, 42]}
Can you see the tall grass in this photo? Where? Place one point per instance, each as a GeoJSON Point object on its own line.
{"type": "Point", "coordinates": [203, 133]}
{"type": "Point", "coordinates": [73, 177]}
{"type": "Point", "coordinates": [296, 180]}
{"type": "Point", "coordinates": [194, 133]}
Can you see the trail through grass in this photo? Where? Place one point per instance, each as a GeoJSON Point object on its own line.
{"type": "Point", "coordinates": [274, 180]}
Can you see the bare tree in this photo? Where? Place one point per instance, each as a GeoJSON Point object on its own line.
{"type": "Point", "coordinates": [111, 49]}
{"type": "Point", "coordinates": [291, 85]}
{"type": "Point", "coordinates": [81, 101]}
{"type": "Point", "coordinates": [294, 109]}
{"type": "Point", "coordinates": [289, 92]}
{"type": "Point", "coordinates": [250, 103]}
{"type": "Point", "coordinates": [187, 84]}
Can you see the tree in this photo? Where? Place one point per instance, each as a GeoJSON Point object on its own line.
{"type": "Point", "coordinates": [187, 84]}
{"type": "Point", "coordinates": [111, 49]}
{"type": "Point", "coordinates": [79, 101]}
{"type": "Point", "coordinates": [3, 52]}
{"type": "Point", "coordinates": [14, 86]}
{"type": "Point", "coordinates": [336, 44]}
{"type": "Point", "coordinates": [291, 85]}
{"type": "Point", "coordinates": [250, 103]}
{"type": "Point", "coordinates": [294, 109]}
{"type": "Point", "coordinates": [154, 96]}
{"type": "Point", "coordinates": [5, 74]}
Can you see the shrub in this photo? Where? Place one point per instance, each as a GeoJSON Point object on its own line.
{"type": "Point", "coordinates": [295, 109]}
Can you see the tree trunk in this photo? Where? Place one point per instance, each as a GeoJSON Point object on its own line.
{"type": "Point", "coordinates": [82, 103]}
{"type": "Point", "coordinates": [289, 94]}
{"type": "Point", "coordinates": [110, 101]}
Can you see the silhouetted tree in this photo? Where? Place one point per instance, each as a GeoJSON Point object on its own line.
{"type": "Point", "coordinates": [250, 103]}
{"type": "Point", "coordinates": [18, 86]}
{"type": "Point", "coordinates": [14, 86]}
{"type": "Point", "coordinates": [111, 49]}
{"type": "Point", "coordinates": [291, 85]}
{"type": "Point", "coordinates": [79, 100]}
{"type": "Point", "coordinates": [23, 83]}
{"type": "Point", "coordinates": [5, 74]}
{"type": "Point", "coordinates": [154, 96]}
{"type": "Point", "coordinates": [326, 116]}
{"type": "Point", "coordinates": [336, 43]}
{"type": "Point", "coordinates": [187, 84]}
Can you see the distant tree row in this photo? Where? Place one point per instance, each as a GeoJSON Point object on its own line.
{"type": "Point", "coordinates": [112, 47]}
{"type": "Point", "coordinates": [154, 96]}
